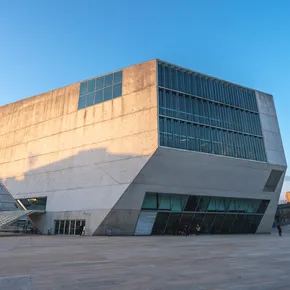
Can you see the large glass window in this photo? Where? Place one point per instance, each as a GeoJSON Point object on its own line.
{"type": "Point", "coordinates": [150, 201]}
{"type": "Point", "coordinates": [34, 203]}
{"type": "Point", "coordinates": [100, 89]}
{"type": "Point", "coordinates": [177, 213]}
{"type": "Point", "coordinates": [216, 105]}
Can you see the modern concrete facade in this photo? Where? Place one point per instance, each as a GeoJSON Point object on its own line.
{"type": "Point", "coordinates": [97, 163]}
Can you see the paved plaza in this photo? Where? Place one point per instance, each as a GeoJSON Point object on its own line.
{"type": "Point", "coordinates": [155, 262]}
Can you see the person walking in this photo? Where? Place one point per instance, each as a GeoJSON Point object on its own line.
{"type": "Point", "coordinates": [279, 230]}
{"type": "Point", "coordinates": [198, 229]}
{"type": "Point", "coordinates": [186, 231]}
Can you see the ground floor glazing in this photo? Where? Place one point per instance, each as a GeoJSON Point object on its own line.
{"type": "Point", "coordinates": [172, 214]}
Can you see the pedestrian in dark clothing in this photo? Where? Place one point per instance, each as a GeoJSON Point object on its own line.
{"type": "Point", "coordinates": [186, 231]}
{"type": "Point", "coordinates": [279, 230]}
{"type": "Point", "coordinates": [198, 229]}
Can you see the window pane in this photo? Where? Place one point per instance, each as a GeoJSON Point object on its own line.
{"type": "Point", "coordinates": [99, 83]}
{"type": "Point", "coordinates": [160, 222]}
{"type": "Point", "coordinates": [108, 93]}
{"type": "Point", "coordinates": [185, 221]}
{"type": "Point", "coordinates": [207, 224]}
{"type": "Point", "coordinates": [227, 224]}
{"type": "Point", "coordinates": [78, 224]}
{"type": "Point", "coordinates": [218, 222]}
{"type": "Point", "coordinates": [61, 228]}
{"type": "Point", "coordinates": [237, 224]}
{"type": "Point", "coordinates": [164, 201]}
{"type": "Point", "coordinates": [117, 90]}
{"type": "Point", "coordinates": [82, 102]}
{"type": "Point", "coordinates": [203, 203]}
{"type": "Point", "coordinates": [173, 223]}
{"type": "Point", "coordinates": [72, 227]}
{"type": "Point", "coordinates": [66, 227]}
{"type": "Point", "coordinates": [83, 88]}
{"type": "Point", "coordinates": [99, 96]}
{"type": "Point", "coordinates": [56, 226]}
{"type": "Point", "coordinates": [191, 203]}
{"type": "Point", "coordinates": [108, 80]}
{"type": "Point", "coordinates": [91, 86]}
{"type": "Point", "coordinates": [255, 223]}
{"type": "Point", "coordinates": [118, 77]}
{"type": "Point", "coordinates": [178, 202]}
{"type": "Point", "coordinates": [150, 201]}
{"type": "Point", "coordinates": [247, 223]}
{"type": "Point", "coordinates": [90, 99]}
{"type": "Point", "coordinates": [214, 204]}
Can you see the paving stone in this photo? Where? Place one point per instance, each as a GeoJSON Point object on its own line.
{"type": "Point", "coordinates": [156, 262]}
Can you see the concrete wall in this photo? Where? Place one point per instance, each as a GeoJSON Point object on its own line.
{"type": "Point", "coordinates": [270, 128]}
{"type": "Point", "coordinates": [83, 160]}
{"type": "Point", "coordinates": [182, 172]}
{"type": "Point", "coordinates": [274, 150]}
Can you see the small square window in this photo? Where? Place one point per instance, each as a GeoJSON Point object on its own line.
{"type": "Point", "coordinates": [99, 83]}
{"type": "Point", "coordinates": [82, 102]}
{"type": "Point", "coordinates": [117, 90]}
{"type": "Point", "coordinates": [90, 99]}
{"type": "Point", "coordinates": [91, 86]}
{"type": "Point", "coordinates": [108, 93]}
{"type": "Point", "coordinates": [108, 80]}
{"type": "Point", "coordinates": [118, 77]}
{"type": "Point", "coordinates": [83, 88]}
{"type": "Point", "coordinates": [99, 96]}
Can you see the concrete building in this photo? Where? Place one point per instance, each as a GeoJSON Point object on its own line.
{"type": "Point", "coordinates": [150, 149]}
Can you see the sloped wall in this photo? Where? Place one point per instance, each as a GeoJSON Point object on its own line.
{"type": "Point", "coordinates": [82, 160]}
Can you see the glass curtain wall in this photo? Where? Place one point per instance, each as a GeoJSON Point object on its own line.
{"type": "Point", "coordinates": [199, 113]}
{"type": "Point", "coordinates": [221, 215]}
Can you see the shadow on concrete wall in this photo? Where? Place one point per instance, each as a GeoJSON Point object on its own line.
{"type": "Point", "coordinates": [90, 171]}
{"type": "Point", "coordinates": [56, 175]}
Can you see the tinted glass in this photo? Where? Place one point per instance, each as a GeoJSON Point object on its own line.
{"type": "Point", "coordinates": [192, 203]}
{"type": "Point", "coordinates": [56, 227]}
{"type": "Point", "coordinates": [207, 224]}
{"type": "Point", "coordinates": [172, 224]}
{"type": "Point", "coordinates": [107, 93]}
{"type": "Point", "coordinates": [118, 77]}
{"type": "Point", "coordinates": [164, 201]}
{"type": "Point", "coordinates": [160, 223]}
{"type": "Point", "coordinates": [150, 201]}
{"type": "Point", "coordinates": [99, 96]}
{"type": "Point", "coordinates": [185, 221]}
{"type": "Point", "coordinates": [237, 224]}
{"type": "Point", "coordinates": [108, 80]}
{"type": "Point", "coordinates": [91, 86]}
{"type": "Point", "coordinates": [90, 99]}
{"type": "Point", "coordinates": [241, 136]}
{"type": "Point", "coordinates": [72, 227]}
{"type": "Point", "coordinates": [117, 90]}
{"type": "Point", "coordinates": [99, 83]}
{"type": "Point", "coordinates": [82, 102]}
{"type": "Point", "coordinates": [61, 228]}
{"type": "Point", "coordinates": [83, 88]}
{"type": "Point", "coordinates": [219, 214]}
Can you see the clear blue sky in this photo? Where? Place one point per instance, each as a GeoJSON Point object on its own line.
{"type": "Point", "coordinates": [49, 44]}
